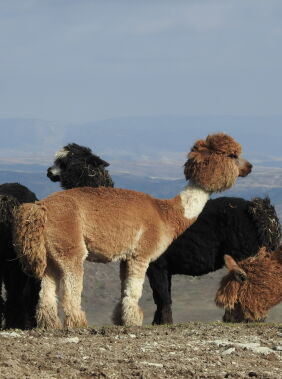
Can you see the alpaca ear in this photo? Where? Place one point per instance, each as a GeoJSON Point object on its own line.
{"type": "Point", "coordinates": [239, 274]}
{"type": "Point", "coordinates": [97, 161]}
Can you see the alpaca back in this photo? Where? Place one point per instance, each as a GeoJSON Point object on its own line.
{"type": "Point", "coordinates": [223, 226]}
{"type": "Point", "coordinates": [266, 222]}
{"type": "Point", "coordinates": [11, 196]}
{"type": "Point", "coordinates": [29, 241]}
{"type": "Point", "coordinates": [226, 225]}
{"type": "Point", "coordinates": [18, 191]}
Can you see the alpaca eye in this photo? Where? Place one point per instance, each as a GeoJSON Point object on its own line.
{"type": "Point", "coordinates": [233, 156]}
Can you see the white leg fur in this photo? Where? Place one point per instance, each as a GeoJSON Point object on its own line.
{"type": "Point", "coordinates": [47, 309]}
{"type": "Point", "coordinates": [132, 314]}
{"type": "Point", "coordinates": [72, 288]}
{"type": "Point", "coordinates": [128, 312]}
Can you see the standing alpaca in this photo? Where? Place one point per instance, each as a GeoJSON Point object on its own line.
{"type": "Point", "coordinates": [19, 308]}
{"type": "Point", "coordinates": [226, 224]}
{"type": "Point", "coordinates": [54, 236]}
{"type": "Point", "coordinates": [251, 287]}
{"type": "Point", "coordinates": [76, 166]}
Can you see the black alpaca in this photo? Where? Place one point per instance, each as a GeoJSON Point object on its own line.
{"type": "Point", "coordinates": [76, 166]}
{"type": "Point", "coordinates": [18, 311]}
{"type": "Point", "coordinates": [231, 226]}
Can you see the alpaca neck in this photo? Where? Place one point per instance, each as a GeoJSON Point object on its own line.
{"type": "Point", "coordinates": [193, 200]}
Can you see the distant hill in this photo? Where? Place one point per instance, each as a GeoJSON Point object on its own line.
{"type": "Point", "coordinates": [138, 138]}
{"type": "Point", "coordinates": [261, 182]}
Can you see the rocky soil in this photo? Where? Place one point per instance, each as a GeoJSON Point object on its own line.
{"type": "Point", "coordinates": [191, 350]}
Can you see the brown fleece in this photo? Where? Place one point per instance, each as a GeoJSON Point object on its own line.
{"type": "Point", "coordinates": [261, 290]}
{"type": "Point", "coordinates": [83, 218]}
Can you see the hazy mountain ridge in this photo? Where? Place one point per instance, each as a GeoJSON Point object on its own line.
{"type": "Point", "coordinates": [144, 138]}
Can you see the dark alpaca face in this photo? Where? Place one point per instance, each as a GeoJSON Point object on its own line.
{"type": "Point", "coordinates": [215, 163]}
{"type": "Point", "coordinates": [73, 154]}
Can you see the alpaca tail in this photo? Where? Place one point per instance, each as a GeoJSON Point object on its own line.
{"type": "Point", "coordinates": [267, 222]}
{"type": "Point", "coordinates": [28, 233]}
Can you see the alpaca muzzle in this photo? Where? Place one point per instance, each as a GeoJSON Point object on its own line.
{"type": "Point", "coordinates": [245, 168]}
{"type": "Point", "coordinates": [52, 175]}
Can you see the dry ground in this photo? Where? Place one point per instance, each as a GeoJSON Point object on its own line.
{"type": "Point", "coordinates": [191, 350]}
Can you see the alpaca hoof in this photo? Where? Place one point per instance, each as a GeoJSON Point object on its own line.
{"type": "Point", "coordinates": [77, 320]}
{"type": "Point", "coordinates": [163, 316]}
{"type": "Point", "coordinates": [132, 314]}
{"type": "Point", "coordinates": [127, 314]}
{"type": "Point", "coordinates": [47, 320]}
{"type": "Point", "coordinates": [166, 316]}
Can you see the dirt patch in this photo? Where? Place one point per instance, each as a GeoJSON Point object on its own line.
{"type": "Point", "coordinates": [192, 350]}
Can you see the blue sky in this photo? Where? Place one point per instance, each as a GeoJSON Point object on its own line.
{"type": "Point", "coordinates": [86, 60]}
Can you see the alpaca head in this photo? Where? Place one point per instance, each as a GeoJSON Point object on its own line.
{"type": "Point", "coordinates": [215, 163]}
{"type": "Point", "coordinates": [77, 166]}
{"type": "Point", "coordinates": [239, 289]}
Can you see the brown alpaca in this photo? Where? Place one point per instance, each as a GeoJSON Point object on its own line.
{"type": "Point", "coordinates": [55, 236]}
{"type": "Point", "coordinates": [251, 287]}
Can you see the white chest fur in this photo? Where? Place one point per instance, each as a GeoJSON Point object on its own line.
{"type": "Point", "coordinates": [193, 200]}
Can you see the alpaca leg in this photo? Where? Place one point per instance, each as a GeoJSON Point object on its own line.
{"type": "Point", "coordinates": [72, 288]}
{"type": "Point", "coordinates": [116, 318]}
{"type": "Point", "coordinates": [1, 299]}
{"type": "Point", "coordinates": [160, 282]}
{"type": "Point", "coordinates": [47, 309]}
{"type": "Point", "coordinates": [14, 311]}
{"type": "Point", "coordinates": [31, 297]}
{"type": "Point", "coordinates": [131, 313]}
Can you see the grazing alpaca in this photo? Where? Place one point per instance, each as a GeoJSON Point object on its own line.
{"type": "Point", "coordinates": [18, 311]}
{"type": "Point", "coordinates": [76, 166]}
{"type": "Point", "coordinates": [251, 287]}
{"type": "Point", "coordinates": [54, 236]}
{"type": "Point", "coordinates": [226, 224]}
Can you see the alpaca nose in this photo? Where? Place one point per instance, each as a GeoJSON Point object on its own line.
{"type": "Point", "coordinates": [52, 176]}
{"type": "Point", "coordinates": [249, 167]}
{"type": "Point", "coordinates": [246, 169]}
{"type": "Point", "coordinates": [49, 172]}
